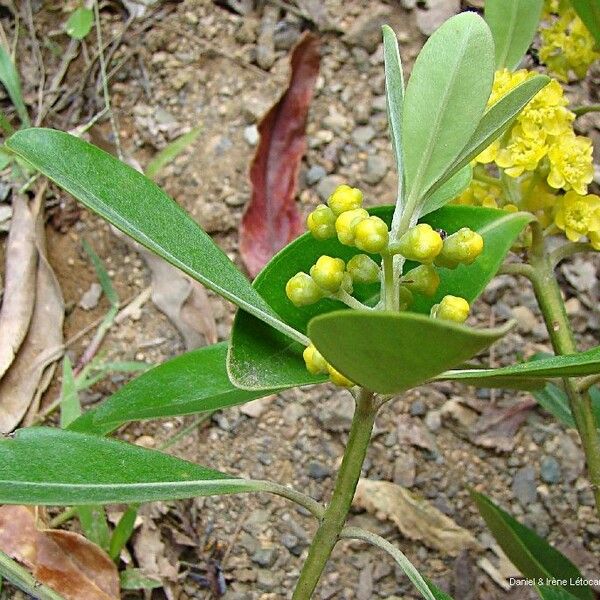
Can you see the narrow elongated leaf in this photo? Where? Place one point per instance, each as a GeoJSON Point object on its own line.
{"type": "Point", "coordinates": [393, 352]}
{"type": "Point", "coordinates": [194, 382]}
{"type": "Point", "coordinates": [12, 82]}
{"type": "Point", "coordinates": [589, 12]}
{"type": "Point", "coordinates": [556, 402]}
{"type": "Point", "coordinates": [60, 467]}
{"type": "Point", "coordinates": [445, 97]}
{"type": "Point", "coordinates": [262, 358]}
{"type": "Point", "coordinates": [171, 151]}
{"type": "Point", "coordinates": [139, 208]}
{"type": "Point", "coordinates": [495, 121]}
{"type": "Point", "coordinates": [70, 408]}
{"type": "Point", "coordinates": [448, 191]}
{"type": "Point", "coordinates": [530, 553]}
{"type": "Point", "coordinates": [272, 219]}
{"type": "Point", "coordinates": [513, 24]}
{"type": "Point", "coordinates": [572, 365]}
{"type": "Point", "coordinates": [554, 593]}
{"type": "Point", "coordinates": [394, 93]}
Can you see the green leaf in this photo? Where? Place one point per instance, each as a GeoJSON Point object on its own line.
{"type": "Point", "coordinates": [80, 23]}
{"type": "Point", "coordinates": [392, 352]}
{"type": "Point", "coordinates": [554, 593]}
{"type": "Point", "coordinates": [437, 593]}
{"type": "Point", "coordinates": [448, 191]}
{"type": "Point", "coordinates": [394, 93]}
{"type": "Point", "coordinates": [445, 98]}
{"type": "Point", "coordinates": [571, 365]}
{"type": "Point", "coordinates": [530, 553]}
{"type": "Point", "coordinates": [495, 121]}
{"type": "Point", "coordinates": [139, 208]}
{"type": "Point", "coordinates": [94, 525]}
{"type": "Point", "coordinates": [70, 408]}
{"type": "Point", "coordinates": [102, 275]}
{"type": "Point", "coordinates": [171, 151]}
{"type": "Point", "coordinates": [122, 532]}
{"type": "Point", "coordinates": [134, 579]}
{"type": "Point", "coordinates": [11, 81]}
{"type": "Point", "coordinates": [589, 12]}
{"type": "Point", "coordinates": [194, 382]}
{"type": "Point", "coordinates": [513, 24]}
{"type": "Point", "coordinates": [556, 402]}
{"type": "Point", "coordinates": [261, 358]}
{"type": "Point", "coordinates": [50, 466]}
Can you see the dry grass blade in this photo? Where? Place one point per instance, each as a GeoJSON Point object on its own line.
{"type": "Point", "coordinates": [31, 371]}
{"type": "Point", "coordinates": [19, 291]}
{"type": "Point", "coordinates": [65, 561]}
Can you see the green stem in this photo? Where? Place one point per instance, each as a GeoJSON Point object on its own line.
{"type": "Point", "coordinates": [583, 110]}
{"type": "Point", "coordinates": [551, 303]}
{"type": "Point", "coordinates": [24, 580]}
{"type": "Point", "coordinates": [567, 250]}
{"type": "Point", "coordinates": [390, 297]}
{"type": "Point", "coordinates": [336, 512]}
{"type": "Point", "coordinates": [585, 383]}
{"type": "Point", "coordinates": [516, 269]}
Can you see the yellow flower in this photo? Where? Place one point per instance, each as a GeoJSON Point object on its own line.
{"type": "Point", "coordinates": [337, 378]}
{"type": "Point", "coordinates": [328, 273]}
{"type": "Point", "coordinates": [345, 198]}
{"type": "Point", "coordinates": [523, 153]}
{"type": "Point", "coordinates": [571, 163]}
{"type": "Point", "coordinates": [595, 239]}
{"type": "Point", "coordinates": [480, 194]}
{"type": "Point", "coordinates": [315, 363]}
{"type": "Point", "coordinates": [578, 216]}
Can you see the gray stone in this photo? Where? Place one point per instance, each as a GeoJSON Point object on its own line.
{"type": "Point", "coordinates": [433, 420]}
{"type": "Point", "coordinates": [377, 167]}
{"type": "Point", "coordinates": [435, 13]}
{"type": "Point", "coordinates": [265, 557]}
{"type": "Point", "coordinates": [315, 174]}
{"type": "Point", "coordinates": [336, 413]}
{"type": "Point", "coordinates": [379, 104]}
{"type": "Point", "coordinates": [292, 543]}
{"type": "Point", "coordinates": [550, 469]}
{"type": "Point", "coordinates": [418, 408]}
{"type": "Point", "coordinates": [363, 135]}
{"type": "Point", "coordinates": [327, 185]}
{"type": "Point", "coordinates": [318, 471]}
{"type": "Point", "coordinates": [268, 580]}
{"type": "Point", "coordinates": [524, 485]}
{"type": "Point", "coordinates": [285, 36]}
{"type": "Point", "coordinates": [525, 318]}
{"type": "Point", "coordinates": [366, 29]}
{"type": "Point", "coordinates": [90, 299]}
{"type": "Point", "coordinates": [251, 135]}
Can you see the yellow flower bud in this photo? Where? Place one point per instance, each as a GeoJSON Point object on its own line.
{"type": "Point", "coordinates": [422, 280]}
{"type": "Point", "coordinates": [346, 223]}
{"type": "Point", "coordinates": [363, 269]}
{"type": "Point", "coordinates": [321, 222]}
{"type": "Point", "coordinates": [328, 273]}
{"type": "Point", "coordinates": [315, 363]}
{"type": "Point", "coordinates": [451, 308]}
{"type": "Point", "coordinates": [406, 298]}
{"type": "Point", "coordinates": [371, 235]}
{"type": "Point", "coordinates": [345, 198]}
{"type": "Point", "coordinates": [462, 247]}
{"type": "Point", "coordinates": [421, 243]}
{"type": "Point", "coordinates": [337, 378]}
{"type": "Point", "coordinates": [302, 290]}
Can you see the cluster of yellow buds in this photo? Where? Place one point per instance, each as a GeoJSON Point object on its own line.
{"type": "Point", "coordinates": [344, 216]}
{"type": "Point", "coordinates": [317, 365]}
{"type": "Point", "coordinates": [567, 45]}
{"type": "Point", "coordinates": [329, 276]}
{"type": "Point", "coordinates": [553, 164]}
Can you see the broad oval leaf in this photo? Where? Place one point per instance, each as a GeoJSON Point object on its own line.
{"type": "Point", "coordinates": [194, 382]}
{"type": "Point", "coordinates": [138, 207]}
{"type": "Point", "coordinates": [394, 93]}
{"type": "Point", "coordinates": [50, 466]}
{"type": "Point", "coordinates": [260, 357]}
{"type": "Point", "coordinates": [80, 23]}
{"type": "Point", "coordinates": [392, 352]}
{"type": "Point", "coordinates": [513, 24]}
{"type": "Point", "coordinates": [530, 553]}
{"type": "Point", "coordinates": [495, 121]}
{"type": "Point", "coordinates": [445, 98]}
{"type": "Point", "coordinates": [571, 365]}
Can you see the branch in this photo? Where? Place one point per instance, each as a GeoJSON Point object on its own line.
{"type": "Point", "coordinates": [516, 269]}
{"type": "Point", "coordinates": [584, 110]}
{"type": "Point", "coordinates": [567, 250]}
{"type": "Point", "coordinates": [585, 383]}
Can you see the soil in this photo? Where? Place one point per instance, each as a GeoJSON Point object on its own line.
{"type": "Point", "coordinates": [194, 63]}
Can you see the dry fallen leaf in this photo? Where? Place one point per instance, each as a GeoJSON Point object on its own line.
{"type": "Point", "coordinates": [31, 371]}
{"type": "Point", "coordinates": [415, 517]}
{"type": "Point", "coordinates": [19, 291]}
{"type": "Point", "coordinates": [272, 219]}
{"type": "Point", "coordinates": [65, 561]}
{"type": "Point", "coordinates": [149, 551]}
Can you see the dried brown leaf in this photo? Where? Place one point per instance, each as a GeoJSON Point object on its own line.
{"type": "Point", "coordinates": [416, 518]}
{"type": "Point", "coordinates": [272, 219]}
{"type": "Point", "coordinates": [65, 561]}
{"type": "Point", "coordinates": [31, 371]}
{"type": "Point", "coordinates": [150, 553]}
{"type": "Point", "coordinates": [19, 291]}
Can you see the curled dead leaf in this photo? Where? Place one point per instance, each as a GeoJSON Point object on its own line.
{"type": "Point", "coordinates": [415, 517]}
{"type": "Point", "coordinates": [65, 561]}
{"type": "Point", "coordinates": [272, 219]}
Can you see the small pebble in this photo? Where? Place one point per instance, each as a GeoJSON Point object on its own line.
{"type": "Point", "coordinates": [550, 469]}
{"type": "Point", "coordinates": [251, 135]}
{"type": "Point", "coordinates": [315, 174]}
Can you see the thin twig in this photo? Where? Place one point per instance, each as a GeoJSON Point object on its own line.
{"type": "Point", "coordinates": [585, 383]}
{"type": "Point", "coordinates": [567, 250]}
{"type": "Point", "coordinates": [584, 110]}
{"type": "Point", "coordinates": [24, 580]}
{"type": "Point", "coordinates": [39, 59]}
{"type": "Point", "coordinates": [516, 269]}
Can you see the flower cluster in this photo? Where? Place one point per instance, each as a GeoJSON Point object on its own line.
{"type": "Point", "coordinates": [544, 155]}
{"type": "Point", "coordinates": [330, 277]}
{"type": "Point", "coordinates": [567, 45]}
